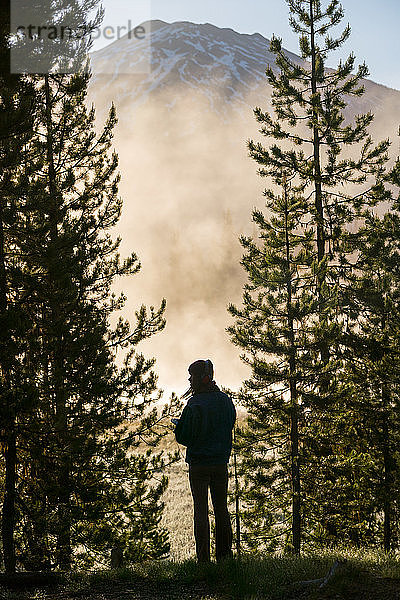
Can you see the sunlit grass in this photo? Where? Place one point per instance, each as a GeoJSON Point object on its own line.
{"type": "Point", "coordinates": [256, 577]}
{"type": "Point", "coordinates": [267, 577]}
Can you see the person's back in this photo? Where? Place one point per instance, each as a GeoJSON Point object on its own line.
{"type": "Point", "coordinates": [205, 428]}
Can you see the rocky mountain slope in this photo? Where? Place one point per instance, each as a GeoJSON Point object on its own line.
{"type": "Point", "coordinates": [224, 66]}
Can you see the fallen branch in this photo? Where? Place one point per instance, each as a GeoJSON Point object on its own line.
{"type": "Point", "coordinates": [322, 581]}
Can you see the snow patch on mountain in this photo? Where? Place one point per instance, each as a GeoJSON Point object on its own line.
{"type": "Point", "coordinates": [211, 60]}
{"type": "Point", "coordinates": [224, 68]}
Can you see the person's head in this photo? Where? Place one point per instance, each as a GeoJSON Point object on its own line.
{"type": "Point", "coordinates": [201, 374]}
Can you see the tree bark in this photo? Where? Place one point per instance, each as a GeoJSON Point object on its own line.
{"type": "Point", "coordinates": [8, 509]}
{"type": "Point", "coordinates": [294, 419]}
{"type": "Point", "coordinates": [8, 513]}
{"type": "Point", "coordinates": [387, 476]}
{"type": "Point", "coordinates": [319, 207]}
{"type": "Point", "coordinates": [64, 550]}
{"type": "Point", "coordinates": [237, 507]}
{"type": "Point", "coordinates": [317, 150]}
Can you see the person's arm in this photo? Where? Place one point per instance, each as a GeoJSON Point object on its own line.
{"type": "Point", "coordinates": [184, 427]}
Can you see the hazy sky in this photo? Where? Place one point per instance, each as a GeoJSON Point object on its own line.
{"type": "Point", "coordinates": [374, 25]}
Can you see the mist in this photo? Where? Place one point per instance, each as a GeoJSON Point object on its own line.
{"type": "Point", "coordinates": [188, 188]}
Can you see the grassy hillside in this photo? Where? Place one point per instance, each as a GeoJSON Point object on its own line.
{"type": "Point", "coordinates": [364, 576]}
{"type": "Point", "coordinates": [359, 575]}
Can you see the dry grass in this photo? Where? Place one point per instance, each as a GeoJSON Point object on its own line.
{"type": "Point", "coordinates": [178, 512]}
{"type": "Point", "coordinates": [364, 576]}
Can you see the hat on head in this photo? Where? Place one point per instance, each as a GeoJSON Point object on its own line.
{"type": "Point", "coordinates": [202, 368]}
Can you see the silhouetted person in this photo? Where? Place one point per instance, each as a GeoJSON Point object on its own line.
{"type": "Point", "coordinates": [205, 428]}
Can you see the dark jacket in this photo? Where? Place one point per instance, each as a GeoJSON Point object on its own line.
{"type": "Point", "coordinates": [205, 427]}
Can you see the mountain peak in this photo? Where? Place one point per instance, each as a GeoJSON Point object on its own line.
{"type": "Point", "coordinates": [183, 54]}
{"type": "Point", "coordinates": [222, 66]}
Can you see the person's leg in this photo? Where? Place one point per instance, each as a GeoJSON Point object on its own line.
{"type": "Point", "coordinates": [219, 497]}
{"type": "Point", "coordinates": [199, 478]}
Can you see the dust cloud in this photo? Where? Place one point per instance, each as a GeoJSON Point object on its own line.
{"type": "Point", "coordinates": [188, 188]}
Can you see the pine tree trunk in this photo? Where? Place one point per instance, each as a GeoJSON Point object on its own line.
{"type": "Point", "coordinates": [387, 458]}
{"type": "Point", "coordinates": [387, 474]}
{"type": "Point", "coordinates": [317, 145]}
{"type": "Point", "coordinates": [8, 513]}
{"type": "Point", "coordinates": [8, 509]}
{"type": "Point", "coordinates": [295, 474]}
{"type": "Point", "coordinates": [319, 207]}
{"type": "Point", "coordinates": [294, 425]}
{"type": "Point", "coordinates": [64, 551]}
{"type": "Point", "coordinates": [237, 507]}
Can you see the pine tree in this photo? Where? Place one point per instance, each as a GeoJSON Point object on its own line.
{"type": "Point", "coordinates": [372, 339]}
{"type": "Point", "coordinates": [17, 113]}
{"type": "Point", "coordinates": [334, 166]}
{"type": "Point", "coordinates": [100, 495]}
{"type": "Point", "coordinates": [309, 102]}
{"type": "Point", "coordinates": [64, 41]}
{"type": "Point", "coordinates": [16, 386]}
{"type": "Point", "coordinates": [79, 486]}
{"type": "Point", "coordinates": [274, 330]}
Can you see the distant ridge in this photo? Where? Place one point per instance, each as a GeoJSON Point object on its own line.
{"type": "Point", "coordinates": [223, 66]}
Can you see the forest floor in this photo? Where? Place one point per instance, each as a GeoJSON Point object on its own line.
{"type": "Point", "coordinates": [364, 576]}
